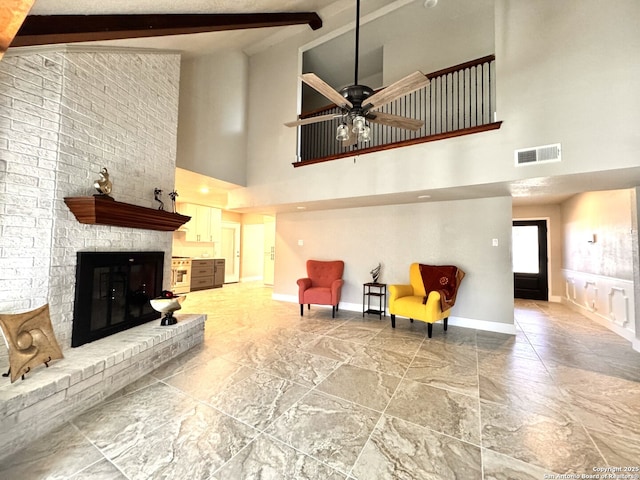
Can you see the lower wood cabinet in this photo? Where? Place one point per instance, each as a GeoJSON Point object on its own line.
{"type": "Point", "coordinates": [207, 273]}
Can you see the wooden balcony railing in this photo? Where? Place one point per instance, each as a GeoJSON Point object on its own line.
{"type": "Point", "coordinates": [459, 100]}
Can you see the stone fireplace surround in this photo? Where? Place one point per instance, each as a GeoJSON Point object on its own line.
{"type": "Point", "coordinates": [65, 113]}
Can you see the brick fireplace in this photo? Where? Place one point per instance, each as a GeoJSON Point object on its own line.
{"type": "Point", "coordinates": [66, 113]}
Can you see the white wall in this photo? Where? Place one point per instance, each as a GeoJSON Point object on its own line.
{"type": "Point", "coordinates": [423, 41]}
{"type": "Point", "coordinates": [212, 125]}
{"type": "Point", "coordinates": [457, 232]}
{"type": "Point", "coordinates": [66, 113]}
{"type": "Point", "coordinates": [567, 72]}
{"type": "Point", "coordinates": [599, 275]}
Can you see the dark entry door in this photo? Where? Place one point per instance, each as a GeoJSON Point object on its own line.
{"type": "Point", "coordinates": [530, 276]}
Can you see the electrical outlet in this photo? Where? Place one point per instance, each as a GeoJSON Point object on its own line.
{"type": "Point", "coordinates": [494, 242]}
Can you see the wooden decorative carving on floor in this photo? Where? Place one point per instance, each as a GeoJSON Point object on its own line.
{"type": "Point", "coordinates": [30, 339]}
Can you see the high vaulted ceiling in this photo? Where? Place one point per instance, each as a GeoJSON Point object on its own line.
{"type": "Point", "coordinates": [194, 43]}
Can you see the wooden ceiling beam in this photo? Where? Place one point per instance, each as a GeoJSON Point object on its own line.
{"type": "Point", "coordinates": [12, 14]}
{"type": "Point", "coordinates": [52, 29]}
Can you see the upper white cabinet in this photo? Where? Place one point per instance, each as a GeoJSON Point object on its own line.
{"type": "Point", "coordinates": [205, 223]}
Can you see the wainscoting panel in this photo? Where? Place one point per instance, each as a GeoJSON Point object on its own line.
{"type": "Point", "coordinates": [607, 300]}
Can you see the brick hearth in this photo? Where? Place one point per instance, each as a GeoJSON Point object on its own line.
{"type": "Point", "coordinates": [48, 397]}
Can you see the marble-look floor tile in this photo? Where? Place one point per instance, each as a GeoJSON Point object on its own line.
{"type": "Point", "coordinates": [500, 467]}
{"type": "Point", "coordinates": [506, 366]}
{"type": "Point", "coordinates": [389, 340]}
{"type": "Point", "coordinates": [364, 387]}
{"type": "Point", "coordinates": [617, 450]}
{"type": "Point", "coordinates": [318, 326]}
{"type": "Point", "coordinates": [327, 428]}
{"type": "Point", "coordinates": [600, 401]}
{"type": "Point", "coordinates": [529, 395]}
{"type": "Point", "coordinates": [57, 455]}
{"type": "Point", "coordinates": [441, 410]}
{"type": "Point", "coordinates": [381, 360]}
{"type": "Point", "coordinates": [353, 333]}
{"type": "Point", "coordinates": [569, 401]}
{"type": "Point", "coordinates": [266, 458]}
{"type": "Point", "coordinates": [401, 450]}
{"type": "Point", "coordinates": [332, 348]}
{"type": "Point", "coordinates": [102, 470]}
{"type": "Point", "coordinates": [303, 368]}
{"type": "Point", "coordinates": [512, 345]}
{"type": "Point", "coordinates": [259, 354]}
{"type": "Point", "coordinates": [258, 399]}
{"type": "Point", "coordinates": [192, 445]}
{"type": "Point", "coordinates": [206, 381]}
{"type": "Point", "coordinates": [116, 426]}
{"type": "Point", "coordinates": [454, 370]}
{"type": "Point", "coordinates": [289, 337]}
{"type": "Point", "coordinates": [559, 445]}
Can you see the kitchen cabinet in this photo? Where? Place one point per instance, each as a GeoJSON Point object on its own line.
{"type": "Point", "coordinates": [202, 274]}
{"type": "Point", "coordinates": [218, 272]}
{"type": "Point", "coordinates": [207, 273]}
{"type": "Point", "coordinates": [205, 224]}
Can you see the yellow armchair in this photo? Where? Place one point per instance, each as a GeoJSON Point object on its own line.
{"type": "Point", "coordinates": [409, 300]}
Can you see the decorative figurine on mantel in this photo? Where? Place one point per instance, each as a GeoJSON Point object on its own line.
{"type": "Point", "coordinates": [172, 196]}
{"type": "Point", "coordinates": [375, 273]}
{"type": "Point", "coordinates": [103, 184]}
{"type": "Point", "coordinates": [157, 193]}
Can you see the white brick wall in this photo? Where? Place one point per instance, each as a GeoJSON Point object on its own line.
{"type": "Point", "coordinates": [63, 116]}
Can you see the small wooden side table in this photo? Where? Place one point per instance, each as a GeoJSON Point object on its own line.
{"type": "Point", "coordinates": [374, 290]}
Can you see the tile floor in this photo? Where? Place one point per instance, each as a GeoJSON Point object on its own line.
{"type": "Point", "coordinates": [271, 395]}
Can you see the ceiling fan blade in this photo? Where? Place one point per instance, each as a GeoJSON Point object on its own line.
{"type": "Point", "coordinates": [395, 121]}
{"type": "Point", "coordinates": [325, 89]}
{"type": "Point", "coordinates": [404, 86]}
{"type": "Point", "coordinates": [308, 120]}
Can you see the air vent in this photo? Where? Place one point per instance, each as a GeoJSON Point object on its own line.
{"type": "Point", "coordinates": [546, 153]}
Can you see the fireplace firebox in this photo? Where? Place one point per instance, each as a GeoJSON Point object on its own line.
{"type": "Point", "coordinates": [113, 292]}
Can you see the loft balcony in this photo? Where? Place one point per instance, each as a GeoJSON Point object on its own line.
{"type": "Point", "coordinates": [459, 100]}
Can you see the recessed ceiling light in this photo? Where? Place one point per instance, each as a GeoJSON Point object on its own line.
{"type": "Point", "coordinates": [424, 196]}
{"type": "Point", "coordinates": [301, 208]}
{"type": "Point", "coordinates": [204, 190]}
{"type": "Point", "coordinates": [430, 3]}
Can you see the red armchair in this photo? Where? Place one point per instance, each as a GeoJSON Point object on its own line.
{"type": "Point", "coordinates": [322, 286]}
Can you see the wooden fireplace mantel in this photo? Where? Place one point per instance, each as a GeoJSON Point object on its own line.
{"type": "Point", "coordinates": [103, 210]}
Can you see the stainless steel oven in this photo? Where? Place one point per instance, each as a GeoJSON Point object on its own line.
{"type": "Point", "coordinates": [180, 274]}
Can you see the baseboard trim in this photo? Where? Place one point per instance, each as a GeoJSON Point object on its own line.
{"type": "Point", "coordinates": [484, 325]}
{"type": "Point", "coordinates": [507, 328]}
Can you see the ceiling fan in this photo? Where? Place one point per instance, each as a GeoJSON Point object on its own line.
{"type": "Point", "coordinates": [360, 103]}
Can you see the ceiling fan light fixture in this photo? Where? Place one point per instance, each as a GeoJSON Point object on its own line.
{"type": "Point", "coordinates": [359, 124]}
{"type": "Point", "coordinates": [342, 132]}
{"type": "Point", "coordinates": [365, 134]}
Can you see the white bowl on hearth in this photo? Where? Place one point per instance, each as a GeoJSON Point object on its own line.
{"type": "Point", "coordinates": [167, 306]}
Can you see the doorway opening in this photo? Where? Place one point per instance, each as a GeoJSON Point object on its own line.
{"type": "Point", "coordinates": [231, 251]}
{"type": "Point", "coordinates": [530, 271]}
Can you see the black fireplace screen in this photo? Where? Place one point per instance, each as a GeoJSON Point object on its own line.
{"type": "Point", "coordinates": [113, 290]}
